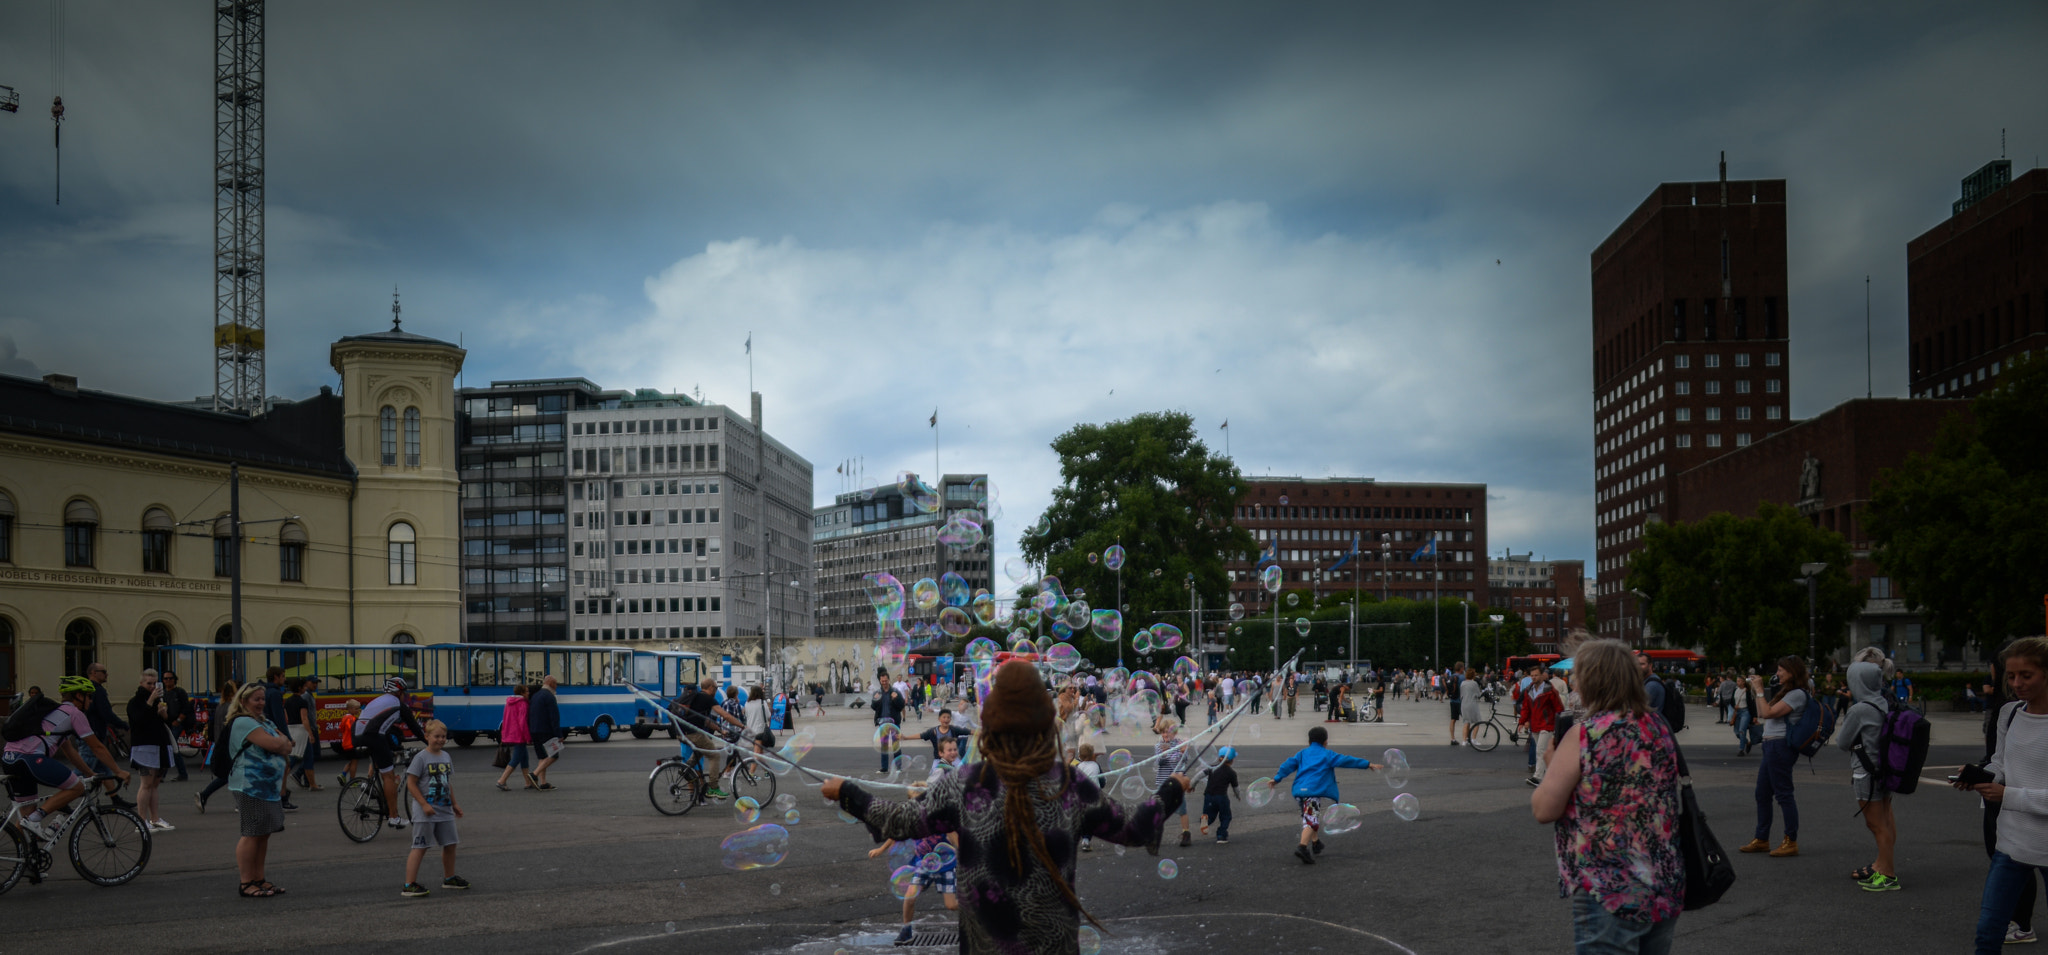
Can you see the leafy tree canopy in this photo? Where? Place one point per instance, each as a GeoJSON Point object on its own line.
{"type": "Point", "coordinates": [1961, 529]}
{"type": "Point", "coordinates": [1729, 586]}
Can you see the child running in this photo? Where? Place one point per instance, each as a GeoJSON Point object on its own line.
{"type": "Point", "coordinates": [1216, 795]}
{"type": "Point", "coordinates": [1172, 754]}
{"type": "Point", "coordinates": [934, 870]}
{"type": "Point", "coordinates": [430, 782]}
{"type": "Point", "coordinates": [1316, 783]}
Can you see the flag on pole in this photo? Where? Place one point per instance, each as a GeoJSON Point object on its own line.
{"type": "Point", "coordinates": [1347, 557]}
{"type": "Point", "coordinates": [1427, 550]}
{"type": "Point", "coordinates": [1226, 422]}
{"type": "Point", "coordinates": [935, 417]}
{"type": "Point", "coordinates": [750, 343]}
{"type": "Point", "coordinates": [1271, 555]}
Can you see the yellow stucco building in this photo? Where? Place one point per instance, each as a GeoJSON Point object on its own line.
{"type": "Point", "coordinates": [114, 530]}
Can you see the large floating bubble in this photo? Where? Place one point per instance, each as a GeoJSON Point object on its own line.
{"type": "Point", "coordinates": [1301, 626]}
{"type": "Point", "coordinates": [1168, 869]}
{"type": "Point", "coordinates": [1396, 767]}
{"type": "Point", "coordinates": [885, 592]}
{"type": "Point", "coordinates": [901, 880]}
{"type": "Point", "coordinates": [1027, 617]}
{"type": "Point", "coordinates": [792, 817]}
{"type": "Point", "coordinates": [1406, 807]}
{"type": "Point", "coordinates": [1165, 636]}
{"type": "Point", "coordinates": [1113, 558]}
{"type": "Point", "coordinates": [1236, 611]}
{"type": "Point", "coordinates": [984, 610]}
{"type": "Point", "coordinates": [1259, 792]}
{"type": "Point", "coordinates": [924, 595]}
{"type": "Point", "coordinates": [761, 847]}
{"type": "Point", "coordinates": [1051, 585]}
{"type": "Point", "coordinates": [1185, 668]}
{"type": "Point", "coordinates": [1133, 788]}
{"type": "Point", "coordinates": [1017, 570]}
{"type": "Point", "coordinates": [799, 744]}
{"type": "Point", "coordinates": [1063, 658]}
{"type": "Point", "coordinates": [1093, 557]}
{"type": "Point", "coordinates": [1091, 940]}
{"type": "Point", "coordinates": [1114, 678]}
{"type": "Point", "coordinates": [941, 856]}
{"type": "Point", "coordinates": [1023, 645]}
{"type": "Point", "coordinates": [1293, 600]}
{"type": "Point", "coordinates": [887, 738]}
{"type": "Point", "coordinates": [961, 534]}
{"type": "Point", "coordinates": [954, 622]}
{"type": "Point", "coordinates": [953, 589]}
{"type": "Point", "coordinates": [1119, 760]}
{"type": "Point", "coordinates": [1270, 578]}
{"type": "Point", "coordinates": [1340, 819]}
{"type": "Point", "coordinates": [1076, 615]}
{"type": "Point", "coordinates": [982, 649]}
{"type": "Point", "coordinates": [1060, 631]}
{"type": "Point", "coordinates": [748, 809]}
{"type": "Point", "coordinates": [1108, 624]}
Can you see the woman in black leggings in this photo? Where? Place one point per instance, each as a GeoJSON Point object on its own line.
{"type": "Point", "coordinates": [2023, 910]}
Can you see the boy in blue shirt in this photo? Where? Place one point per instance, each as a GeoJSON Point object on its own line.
{"type": "Point", "coordinates": [1317, 781]}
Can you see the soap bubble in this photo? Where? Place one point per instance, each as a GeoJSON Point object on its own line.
{"type": "Point", "coordinates": [761, 847]}
{"type": "Point", "coordinates": [1119, 760]}
{"type": "Point", "coordinates": [1027, 617]}
{"type": "Point", "coordinates": [1063, 658]}
{"type": "Point", "coordinates": [1113, 558]}
{"type": "Point", "coordinates": [1270, 578]}
{"type": "Point", "coordinates": [1060, 631]}
{"type": "Point", "coordinates": [954, 591]}
{"type": "Point", "coordinates": [846, 817]}
{"type": "Point", "coordinates": [885, 592]}
{"type": "Point", "coordinates": [1340, 819]}
{"type": "Point", "coordinates": [774, 888]}
{"type": "Point", "coordinates": [887, 738]}
{"type": "Point", "coordinates": [1283, 499]}
{"type": "Point", "coordinates": [1133, 788]}
{"type": "Point", "coordinates": [925, 593]}
{"type": "Point", "coordinates": [748, 809]}
{"type": "Point", "coordinates": [941, 856]}
{"type": "Point", "coordinates": [955, 622]}
{"type": "Point", "coordinates": [785, 801]}
{"type": "Point", "coordinates": [1017, 570]}
{"type": "Point", "coordinates": [1050, 586]}
{"type": "Point", "coordinates": [1165, 636]}
{"type": "Point", "coordinates": [1396, 768]}
{"type": "Point", "coordinates": [1076, 615]}
{"type": "Point", "coordinates": [982, 649]}
{"type": "Point", "coordinates": [1293, 599]}
{"type": "Point", "coordinates": [1301, 626]}
{"type": "Point", "coordinates": [1114, 678]}
{"type": "Point", "coordinates": [1091, 940]}
{"type": "Point", "coordinates": [799, 745]}
{"type": "Point", "coordinates": [1236, 611]}
{"type": "Point", "coordinates": [1168, 869]}
{"type": "Point", "coordinates": [981, 493]}
{"type": "Point", "coordinates": [1406, 807]}
{"type": "Point", "coordinates": [1185, 668]}
{"type": "Point", "coordinates": [984, 610]}
{"type": "Point", "coordinates": [670, 927]}
{"type": "Point", "coordinates": [1259, 793]}
{"type": "Point", "coordinates": [1142, 641]}
{"type": "Point", "coordinates": [1093, 557]}
{"type": "Point", "coordinates": [961, 534]}
{"type": "Point", "coordinates": [1023, 645]}
{"type": "Point", "coordinates": [792, 817]}
{"type": "Point", "coordinates": [1108, 624]}
{"type": "Point", "coordinates": [901, 880]}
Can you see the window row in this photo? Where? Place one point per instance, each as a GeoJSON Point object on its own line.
{"type": "Point", "coordinates": [155, 536]}
{"type": "Point", "coordinates": [644, 426]}
{"type": "Point", "coordinates": [608, 605]}
{"type": "Point", "coordinates": [646, 575]}
{"type": "Point", "coordinates": [1771, 413]}
{"type": "Point", "coordinates": [647, 489]}
{"type": "Point", "coordinates": [602, 460]}
{"type": "Point", "coordinates": [647, 633]}
{"type": "Point", "coordinates": [701, 547]}
{"type": "Point", "coordinates": [82, 648]}
{"type": "Point", "coordinates": [1267, 512]}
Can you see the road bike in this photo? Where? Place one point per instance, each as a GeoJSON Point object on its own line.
{"type": "Point", "coordinates": [678, 785]}
{"type": "Point", "coordinates": [108, 846]}
{"type": "Point", "coordinates": [361, 808]}
{"type": "Point", "coordinates": [1486, 734]}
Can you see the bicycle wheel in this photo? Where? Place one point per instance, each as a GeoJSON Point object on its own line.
{"type": "Point", "coordinates": [1485, 737]}
{"type": "Point", "coordinates": [674, 789]}
{"type": "Point", "coordinates": [753, 779]}
{"type": "Point", "coordinates": [1366, 712]}
{"type": "Point", "coordinates": [110, 846]}
{"type": "Point", "coordinates": [360, 808]}
{"type": "Point", "coordinates": [14, 857]}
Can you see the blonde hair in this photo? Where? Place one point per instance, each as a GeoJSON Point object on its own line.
{"type": "Point", "coordinates": [1086, 753]}
{"type": "Point", "coordinates": [1608, 678]}
{"type": "Point", "coordinates": [1166, 724]}
{"type": "Point", "coordinates": [1572, 641]}
{"type": "Point", "coordinates": [240, 707]}
{"type": "Point", "coordinates": [2035, 649]}
{"type": "Point", "coordinates": [432, 725]}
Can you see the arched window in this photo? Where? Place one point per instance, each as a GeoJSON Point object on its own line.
{"type": "Point", "coordinates": [6, 656]}
{"type": "Point", "coordinates": [156, 541]}
{"type": "Point", "coordinates": [291, 552]}
{"type": "Point", "coordinates": [404, 554]}
{"type": "Point", "coordinates": [155, 638]}
{"type": "Point", "coordinates": [6, 528]}
{"type": "Point", "coordinates": [292, 658]}
{"type": "Point", "coordinates": [412, 437]}
{"type": "Point", "coordinates": [81, 646]}
{"type": "Point", "coordinates": [81, 525]}
{"type": "Point", "coordinates": [387, 435]}
{"type": "Point", "coordinates": [402, 658]}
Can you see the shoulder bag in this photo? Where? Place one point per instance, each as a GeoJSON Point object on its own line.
{"type": "Point", "coordinates": [1708, 873]}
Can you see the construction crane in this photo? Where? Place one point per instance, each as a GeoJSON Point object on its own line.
{"type": "Point", "coordinates": [238, 206]}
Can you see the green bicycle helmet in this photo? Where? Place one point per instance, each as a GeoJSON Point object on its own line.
{"type": "Point", "coordinates": [76, 684]}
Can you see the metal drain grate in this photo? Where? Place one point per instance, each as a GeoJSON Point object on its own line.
{"type": "Point", "coordinates": [934, 938]}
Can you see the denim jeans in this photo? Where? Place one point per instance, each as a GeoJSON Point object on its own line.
{"type": "Point", "coordinates": [1596, 931]}
{"type": "Point", "coordinates": [2003, 886]}
{"type": "Point", "coordinates": [1774, 781]}
{"type": "Point", "coordinates": [886, 757]}
{"type": "Point", "coordinates": [1532, 752]}
{"type": "Point", "coordinates": [1217, 808]}
{"type": "Point", "coordinates": [308, 758]}
{"type": "Point", "coordinates": [1742, 728]}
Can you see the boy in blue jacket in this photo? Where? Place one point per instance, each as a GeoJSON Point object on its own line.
{"type": "Point", "coordinates": [1317, 782]}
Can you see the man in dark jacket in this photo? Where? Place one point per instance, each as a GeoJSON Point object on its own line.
{"type": "Point", "coordinates": [178, 704]}
{"type": "Point", "coordinates": [99, 714]}
{"type": "Point", "coordinates": [544, 720]}
{"type": "Point", "coordinates": [273, 710]}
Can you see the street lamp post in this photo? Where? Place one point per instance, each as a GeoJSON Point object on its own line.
{"type": "Point", "coordinates": [1497, 618]}
{"type": "Point", "coordinates": [1810, 574]}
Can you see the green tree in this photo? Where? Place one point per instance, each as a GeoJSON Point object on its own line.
{"type": "Point", "coordinates": [1494, 644]}
{"type": "Point", "coordinates": [1149, 485]}
{"type": "Point", "coordinates": [1961, 529]}
{"type": "Point", "coordinates": [1728, 584]}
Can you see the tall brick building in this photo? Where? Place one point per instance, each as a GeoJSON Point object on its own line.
{"type": "Point", "coordinates": [1977, 284]}
{"type": "Point", "coordinates": [1549, 594]}
{"type": "Point", "coordinates": [1691, 330]}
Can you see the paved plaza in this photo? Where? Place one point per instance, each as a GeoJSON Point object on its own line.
{"type": "Point", "coordinates": [592, 867]}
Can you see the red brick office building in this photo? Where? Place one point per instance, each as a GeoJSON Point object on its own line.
{"type": "Point", "coordinates": [1977, 284]}
{"type": "Point", "coordinates": [1691, 330]}
{"type": "Point", "coordinates": [1550, 595]}
{"type": "Point", "coordinates": [1310, 524]}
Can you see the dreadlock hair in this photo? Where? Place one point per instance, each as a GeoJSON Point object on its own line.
{"type": "Point", "coordinates": [1019, 760]}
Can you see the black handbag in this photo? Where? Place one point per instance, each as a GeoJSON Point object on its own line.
{"type": "Point", "coordinates": [1708, 873]}
{"type": "Point", "coordinates": [504, 757]}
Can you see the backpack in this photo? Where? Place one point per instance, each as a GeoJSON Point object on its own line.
{"type": "Point", "coordinates": [28, 720]}
{"type": "Point", "coordinates": [1902, 738]}
{"type": "Point", "coordinates": [1815, 727]}
{"type": "Point", "coordinates": [218, 761]}
{"type": "Point", "coordinates": [1674, 705]}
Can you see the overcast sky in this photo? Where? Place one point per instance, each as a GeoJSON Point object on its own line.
{"type": "Point", "coordinates": [1358, 232]}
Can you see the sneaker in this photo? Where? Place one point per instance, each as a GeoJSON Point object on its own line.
{"type": "Point", "coordinates": [1184, 840]}
{"type": "Point", "coordinates": [1318, 846]}
{"type": "Point", "coordinates": [454, 882]}
{"type": "Point", "coordinates": [1533, 781]}
{"type": "Point", "coordinates": [413, 890]}
{"type": "Point", "coordinates": [35, 827]}
{"type": "Point", "coordinates": [290, 806]}
{"type": "Point", "coordinates": [162, 826]}
{"type": "Point", "coordinates": [1879, 882]}
{"type": "Point", "coordinates": [2014, 935]}
{"type": "Point", "coordinates": [1454, 742]}
{"type": "Point", "coordinates": [199, 801]}
{"type": "Point", "coordinates": [1302, 853]}
{"type": "Point", "coordinates": [716, 793]}
{"type": "Point", "coordinates": [1221, 841]}
{"type": "Point", "coordinates": [903, 937]}
{"type": "Point", "coordinates": [395, 823]}
{"type": "Point", "coordinates": [341, 778]}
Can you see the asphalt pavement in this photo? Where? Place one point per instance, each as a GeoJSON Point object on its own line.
{"type": "Point", "coordinates": [592, 866]}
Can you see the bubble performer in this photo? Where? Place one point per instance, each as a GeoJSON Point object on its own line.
{"type": "Point", "coordinates": [1318, 781]}
{"type": "Point", "coordinates": [1020, 813]}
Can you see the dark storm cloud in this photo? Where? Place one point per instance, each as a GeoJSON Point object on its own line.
{"type": "Point", "coordinates": [1007, 211]}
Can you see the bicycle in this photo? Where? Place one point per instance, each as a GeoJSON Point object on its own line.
{"type": "Point", "coordinates": [107, 846]}
{"type": "Point", "coordinates": [677, 785]}
{"type": "Point", "coordinates": [360, 807]}
{"type": "Point", "coordinates": [1486, 735]}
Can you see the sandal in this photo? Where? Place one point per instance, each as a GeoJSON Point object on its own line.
{"type": "Point", "coordinates": [255, 890]}
{"type": "Point", "coordinates": [271, 889]}
{"type": "Point", "coordinates": [1863, 873]}
{"type": "Point", "coordinates": [501, 786]}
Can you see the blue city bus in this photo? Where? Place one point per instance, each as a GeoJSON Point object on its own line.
{"type": "Point", "coordinates": [470, 683]}
{"type": "Point", "coordinates": [347, 671]}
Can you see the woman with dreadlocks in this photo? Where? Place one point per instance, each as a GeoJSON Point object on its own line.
{"type": "Point", "coordinates": [1020, 813]}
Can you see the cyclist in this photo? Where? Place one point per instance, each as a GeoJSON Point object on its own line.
{"type": "Point", "coordinates": [701, 714]}
{"type": "Point", "coordinates": [374, 733]}
{"type": "Point", "coordinates": [42, 757]}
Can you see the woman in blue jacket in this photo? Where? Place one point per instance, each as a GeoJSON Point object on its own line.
{"type": "Point", "coordinates": [1317, 781]}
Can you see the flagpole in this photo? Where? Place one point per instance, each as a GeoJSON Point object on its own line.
{"type": "Point", "coordinates": [750, 363]}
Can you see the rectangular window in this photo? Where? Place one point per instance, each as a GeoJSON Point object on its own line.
{"type": "Point", "coordinates": [1713, 414]}
{"type": "Point", "coordinates": [1681, 388]}
{"type": "Point", "coordinates": [1742, 414]}
{"type": "Point", "coordinates": [1682, 415]}
{"type": "Point", "coordinates": [1713, 387]}
{"type": "Point", "coordinates": [1713, 361]}
{"type": "Point", "coordinates": [1742, 440]}
{"type": "Point", "coordinates": [1880, 588]}
{"type": "Point", "coordinates": [673, 515]}
{"type": "Point", "coordinates": [291, 561]}
{"type": "Point", "coordinates": [1742, 386]}
{"type": "Point", "coordinates": [1713, 440]}
{"type": "Point", "coordinates": [1774, 413]}
{"type": "Point", "coordinates": [156, 552]}
{"type": "Point", "coordinates": [222, 561]}
{"type": "Point", "coordinates": [1773, 386]}
{"type": "Point", "coordinates": [1681, 361]}
{"type": "Point", "coordinates": [1772, 359]}
{"type": "Point", "coordinates": [1742, 360]}
{"type": "Point", "coordinates": [1685, 441]}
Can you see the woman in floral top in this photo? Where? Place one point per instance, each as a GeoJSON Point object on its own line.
{"type": "Point", "coordinates": [1612, 790]}
{"type": "Point", "coordinates": [1021, 812]}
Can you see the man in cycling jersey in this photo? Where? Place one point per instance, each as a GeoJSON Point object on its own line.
{"type": "Point", "coordinates": [42, 758]}
{"type": "Point", "coordinates": [373, 735]}
{"type": "Point", "coordinates": [700, 715]}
